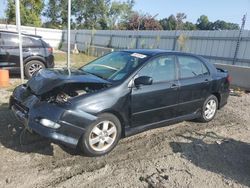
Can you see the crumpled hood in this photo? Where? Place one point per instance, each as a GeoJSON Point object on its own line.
{"type": "Point", "coordinates": [47, 79]}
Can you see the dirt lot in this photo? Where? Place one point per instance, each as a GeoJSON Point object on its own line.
{"type": "Point", "coordinates": [187, 154]}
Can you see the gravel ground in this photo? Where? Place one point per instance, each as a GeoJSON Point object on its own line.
{"type": "Point", "coordinates": [187, 154]}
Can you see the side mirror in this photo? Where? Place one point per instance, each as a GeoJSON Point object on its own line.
{"type": "Point", "coordinates": [143, 80]}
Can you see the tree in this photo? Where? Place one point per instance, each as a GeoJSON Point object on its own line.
{"type": "Point", "coordinates": [150, 23]}
{"type": "Point", "coordinates": [174, 22]}
{"type": "Point", "coordinates": [222, 25]}
{"type": "Point", "coordinates": [180, 17]}
{"type": "Point", "coordinates": [169, 23]}
{"type": "Point", "coordinates": [56, 12]}
{"type": "Point", "coordinates": [203, 23]}
{"type": "Point", "coordinates": [139, 21]}
{"type": "Point", "coordinates": [52, 13]}
{"type": "Point", "coordinates": [30, 11]}
{"type": "Point", "coordinates": [134, 22]}
{"type": "Point", "coordinates": [91, 14]}
{"type": "Point", "coordinates": [119, 12]}
{"type": "Point", "coordinates": [189, 26]}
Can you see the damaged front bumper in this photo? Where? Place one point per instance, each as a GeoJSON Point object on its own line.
{"type": "Point", "coordinates": [29, 110]}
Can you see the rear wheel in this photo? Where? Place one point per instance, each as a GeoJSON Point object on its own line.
{"type": "Point", "coordinates": [32, 66]}
{"type": "Point", "coordinates": [209, 109]}
{"type": "Point", "coordinates": [102, 136]}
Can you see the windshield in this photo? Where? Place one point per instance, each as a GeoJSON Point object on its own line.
{"type": "Point", "coordinates": [115, 66]}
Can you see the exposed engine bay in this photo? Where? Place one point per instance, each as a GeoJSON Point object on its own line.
{"type": "Point", "coordinates": [65, 92]}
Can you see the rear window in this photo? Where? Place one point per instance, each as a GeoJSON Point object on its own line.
{"type": "Point", "coordinates": [31, 42]}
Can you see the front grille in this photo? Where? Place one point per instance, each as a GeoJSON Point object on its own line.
{"type": "Point", "coordinates": [18, 105]}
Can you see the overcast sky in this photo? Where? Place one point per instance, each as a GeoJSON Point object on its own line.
{"type": "Point", "coordinates": [228, 10]}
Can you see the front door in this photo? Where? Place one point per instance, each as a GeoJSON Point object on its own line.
{"type": "Point", "coordinates": [157, 102]}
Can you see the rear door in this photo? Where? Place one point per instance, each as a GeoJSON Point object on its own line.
{"type": "Point", "coordinates": [155, 103]}
{"type": "Point", "coordinates": [195, 83]}
{"type": "Point", "coordinates": [2, 52]}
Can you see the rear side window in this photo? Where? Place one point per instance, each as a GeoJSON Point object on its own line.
{"type": "Point", "coordinates": [9, 39]}
{"type": "Point", "coordinates": [27, 41]}
{"type": "Point", "coordinates": [191, 67]}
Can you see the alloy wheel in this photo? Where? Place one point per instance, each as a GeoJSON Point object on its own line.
{"type": "Point", "coordinates": [102, 136]}
{"type": "Point", "coordinates": [210, 109]}
{"type": "Point", "coordinates": [34, 67]}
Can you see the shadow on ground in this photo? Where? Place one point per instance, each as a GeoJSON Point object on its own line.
{"type": "Point", "coordinates": [227, 157]}
{"type": "Point", "coordinates": [14, 136]}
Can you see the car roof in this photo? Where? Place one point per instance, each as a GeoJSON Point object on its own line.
{"type": "Point", "coordinates": [25, 34]}
{"type": "Point", "coordinates": [149, 52]}
{"type": "Point", "coordinates": [153, 52]}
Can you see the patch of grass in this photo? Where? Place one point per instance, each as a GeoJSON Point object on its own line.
{"type": "Point", "coordinates": [77, 60]}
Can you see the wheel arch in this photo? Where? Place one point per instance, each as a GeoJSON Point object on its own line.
{"type": "Point", "coordinates": [114, 113]}
{"type": "Point", "coordinates": [120, 118]}
{"type": "Point", "coordinates": [218, 96]}
{"type": "Point", "coordinates": [35, 58]}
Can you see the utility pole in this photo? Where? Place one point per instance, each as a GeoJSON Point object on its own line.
{"type": "Point", "coordinates": [18, 23]}
{"type": "Point", "coordinates": [69, 24]}
{"type": "Point", "coordinates": [239, 38]}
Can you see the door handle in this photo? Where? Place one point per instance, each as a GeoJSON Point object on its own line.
{"type": "Point", "coordinates": [174, 86]}
{"type": "Point", "coordinates": [26, 50]}
{"type": "Point", "coordinates": [206, 81]}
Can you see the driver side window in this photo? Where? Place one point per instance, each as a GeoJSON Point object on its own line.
{"type": "Point", "coordinates": [161, 69]}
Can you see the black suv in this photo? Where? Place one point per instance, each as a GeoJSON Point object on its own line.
{"type": "Point", "coordinates": [37, 54]}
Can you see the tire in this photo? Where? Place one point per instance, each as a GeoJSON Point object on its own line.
{"type": "Point", "coordinates": [209, 109]}
{"type": "Point", "coordinates": [96, 143]}
{"type": "Point", "coordinates": [31, 67]}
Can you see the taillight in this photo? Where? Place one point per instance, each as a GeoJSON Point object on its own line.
{"type": "Point", "coordinates": [229, 79]}
{"type": "Point", "coordinates": [50, 50]}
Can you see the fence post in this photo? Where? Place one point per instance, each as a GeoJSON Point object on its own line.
{"type": "Point", "coordinates": [175, 40]}
{"type": "Point", "coordinates": [110, 41]}
{"type": "Point", "coordinates": [174, 44]}
{"type": "Point", "coordinates": [137, 41]}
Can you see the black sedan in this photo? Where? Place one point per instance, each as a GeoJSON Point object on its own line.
{"type": "Point", "coordinates": [118, 95]}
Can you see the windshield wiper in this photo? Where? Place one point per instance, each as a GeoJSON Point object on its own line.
{"type": "Point", "coordinates": [94, 74]}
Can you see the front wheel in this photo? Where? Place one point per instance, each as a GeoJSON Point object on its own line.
{"type": "Point", "coordinates": [209, 109]}
{"type": "Point", "coordinates": [102, 136]}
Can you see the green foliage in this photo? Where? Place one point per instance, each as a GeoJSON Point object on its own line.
{"type": "Point", "coordinates": [91, 14]}
{"type": "Point", "coordinates": [189, 26]}
{"type": "Point", "coordinates": [56, 12]}
{"type": "Point", "coordinates": [30, 11]}
{"type": "Point", "coordinates": [222, 25]}
{"type": "Point", "coordinates": [180, 17]}
{"type": "Point", "coordinates": [119, 12]}
{"type": "Point", "coordinates": [203, 23]}
{"type": "Point", "coordinates": [104, 14]}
